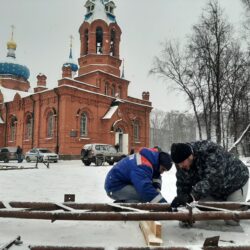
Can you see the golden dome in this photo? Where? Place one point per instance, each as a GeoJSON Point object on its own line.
{"type": "Point", "coordinates": [11, 44]}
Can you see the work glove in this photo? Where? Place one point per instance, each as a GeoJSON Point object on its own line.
{"type": "Point", "coordinates": [181, 200]}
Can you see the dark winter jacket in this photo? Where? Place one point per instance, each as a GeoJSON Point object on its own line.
{"type": "Point", "coordinates": [138, 170]}
{"type": "Point", "coordinates": [214, 172]}
{"type": "Point", "coordinates": [19, 150]}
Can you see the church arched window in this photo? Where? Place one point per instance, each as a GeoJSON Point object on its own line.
{"type": "Point", "coordinates": [28, 127]}
{"type": "Point", "coordinates": [83, 125]}
{"type": "Point", "coordinates": [50, 124]}
{"type": "Point", "coordinates": [136, 129]}
{"type": "Point", "coordinates": [106, 89]}
{"type": "Point", "coordinates": [99, 40]}
{"type": "Point", "coordinates": [86, 36]}
{"type": "Point", "coordinates": [13, 123]}
{"type": "Point", "coordinates": [112, 42]}
{"type": "Point", "coordinates": [113, 90]}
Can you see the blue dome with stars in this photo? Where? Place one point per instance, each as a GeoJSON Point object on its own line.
{"type": "Point", "coordinates": [10, 66]}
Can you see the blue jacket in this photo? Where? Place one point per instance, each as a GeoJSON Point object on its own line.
{"type": "Point", "coordinates": [138, 170]}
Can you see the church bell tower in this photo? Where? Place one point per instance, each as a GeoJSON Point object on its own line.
{"type": "Point", "coordinates": [100, 39]}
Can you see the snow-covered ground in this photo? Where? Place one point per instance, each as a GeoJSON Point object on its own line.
{"type": "Point", "coordinates": [72, 177]}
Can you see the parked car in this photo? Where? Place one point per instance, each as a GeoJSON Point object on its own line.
{"type": "Point", "coordinates": [42, 155]}
{"type": "Point", "coordinates": [99, 153]}
{"type": "Point", "coordinates": [8, 153]}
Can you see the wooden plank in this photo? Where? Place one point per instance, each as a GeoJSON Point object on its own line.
{"type": "Point", "coordinates": [152, 232]}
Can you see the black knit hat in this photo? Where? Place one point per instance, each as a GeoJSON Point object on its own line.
{"type": "Point", "coordinates": [165, 160]}
{"type": "Point", "coordinates": [180, 152]}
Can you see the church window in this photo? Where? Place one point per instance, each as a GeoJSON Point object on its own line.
{"type": "Point", "coordinates": [120, 91]}
{"type": "Point", "coordinates": [28, 127]}
{"type": "Point", "coordinates": [106, 90]}
{"type": "Point", "coordinates": [112, 43]}
{"type": "Point", "coordinates": [83, 125]}
{"type": "Point", "coordinates": [113, 90]}
{"type": "Point", "coordinates": [13, 128]}
{"type": "Point", "coordinates": [50, 125]}
{"type": "Point", "coordinates": [136, 131]}
{"type": "Point", "coordinates": [99, 40]}
{"type": "Point", "coordinates": [86, 34]}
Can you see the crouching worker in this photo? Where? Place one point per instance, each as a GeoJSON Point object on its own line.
{"type": "Point", "coordinates": [131, 180]}
{"type": "Point", "coordinates": [207, 172]}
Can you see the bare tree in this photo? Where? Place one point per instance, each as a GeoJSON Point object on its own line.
{"type": "Point", "coordinates": [211, 63]}
{"type": "Point", "coordinates": [210, 43]}
{"type": "Point", "coordinates": [174, 65]}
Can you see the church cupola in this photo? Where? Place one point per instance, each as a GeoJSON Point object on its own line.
{"type": "Point", "coordinates": [70, 61]}
{"type": "Point", "coordinates": [100, 38]}
{"type": "Point", "coordinates": [13, 74]}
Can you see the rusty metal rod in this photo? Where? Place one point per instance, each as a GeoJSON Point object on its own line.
{"type": "Point", "coordinates": [227, 205]}
{"type": "Point", "coordinates": [86, 206]}
{"type": "Point", "coordinates": [138, 248]}
{"type": "Point", "coordinates": [64, 248]}
{"type": "Point", "coordinates": [184, 248]}
{"type": "Point", "coordinates": [48, 206]}
{"type": "Point", "coordinates": [125, 216]}
{"type": "Point", "coordinates": [153, 248]}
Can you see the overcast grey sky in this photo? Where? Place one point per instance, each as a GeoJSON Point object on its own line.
{"type": "Point", "coordinates": [43, 28]}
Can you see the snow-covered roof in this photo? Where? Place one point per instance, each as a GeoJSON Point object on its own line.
{"type": "Point", "coordinates": [9, 94]}
{"type": "Point", "coordinates": [102, 71]}
{"type": "Point", "coordinates": [95, 93]}
{"type": "Point", "coordinates": [110, 112]}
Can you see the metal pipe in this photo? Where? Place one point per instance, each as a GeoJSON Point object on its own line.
{"type": "Point", "coordinates": [64, 248]}
{"type": "Point", "coordinates": [116, 207]}
{"type": "Point", "coordinates": [153, 248]}
{"type": "Point", "coordinates": [184, 248]}
{"type": "Point", "coordinates": [90, 206]}
{"type": "Point", "coordinates": [125, 216]}
{"type": "Point", "coordinates": [137, 248]}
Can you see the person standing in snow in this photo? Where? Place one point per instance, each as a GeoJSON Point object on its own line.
{"type": "Point", "coordinates": [19, 153]}
{"type": "Point", "coordinates": [207, 172]}
{"type": "Point", "coordinates": [137, 177]}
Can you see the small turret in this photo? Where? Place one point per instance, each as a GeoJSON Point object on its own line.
{"type": "Point", "coordinates": [41, 83]}
{"type": "Point", "coordinates": [66, 71]}
{"type": "Point", "coordinates": [145, 96]}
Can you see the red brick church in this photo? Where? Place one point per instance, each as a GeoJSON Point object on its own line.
{"type": "Point", "coordinates": [90, 103]}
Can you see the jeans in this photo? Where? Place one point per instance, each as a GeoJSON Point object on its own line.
{"type": "Point", "coordinates": [19, 158]}
{"type": "Point", "coordinates": [239, 195]}
{"type": "Point", "coordinates": [127, 194]}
